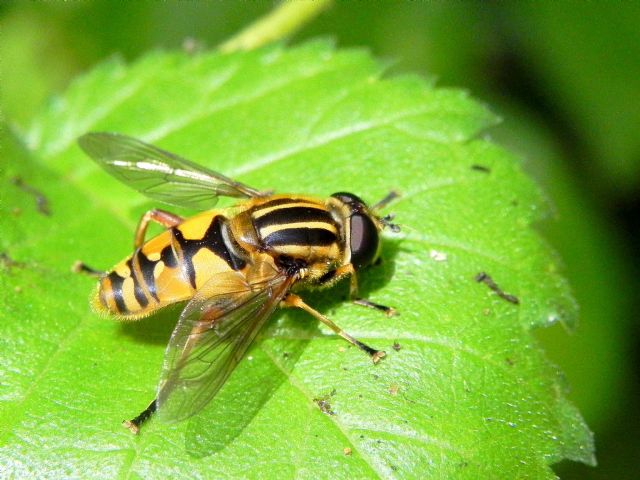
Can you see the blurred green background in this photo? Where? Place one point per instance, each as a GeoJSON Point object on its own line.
{"type": "Point", "coordinates": [564, 76]}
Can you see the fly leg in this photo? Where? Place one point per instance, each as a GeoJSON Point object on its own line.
{"type": "Point", "coordinates": [353, 290]}
{"type": "Point", "coordinates": [81, 267]}
{"type": "Point", "coordinates": [162, 217]}
{"type": "Point", "coordinates": [293, 300]}
{"type": "Point", "coordinates": [363, 302]}
{"type": "Point", "coordinates": [135, 423]}
{"type": "Point", "coordinates": [387, 219]}
{"type": "Point", "coordinates": [167, 220]}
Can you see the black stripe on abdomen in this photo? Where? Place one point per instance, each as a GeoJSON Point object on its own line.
{"type": "Point", "coordinates": [300, 236]}
{"type": "Point", "coordinates": [137, 289]}
{"type": "Point", "coordinates": [298, 214]}
{"type": "Point", "coordinates": [213, 241]}
{"type": "Point", "coordinates": [168, 257]}
{"type": "Point", "coordinates": [146, 267]}
{"type": "Point", "coordinates": [116, 289]}
{"type": "Point", "coordinates": [189, 249]}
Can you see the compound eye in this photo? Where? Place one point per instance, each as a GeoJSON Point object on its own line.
{"type": "Point", "coordinates": [348, 198]}
{"type": "Point", "coordinates": [364, 240]}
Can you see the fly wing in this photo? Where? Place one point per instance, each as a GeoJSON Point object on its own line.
{"type": "Point", "coordinates": [213, 333]}
{"type": "Point", "coordinates": [158, 174]}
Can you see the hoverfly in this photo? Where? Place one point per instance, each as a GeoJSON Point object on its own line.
{"type": "Point", "coordinates": [233, 266]}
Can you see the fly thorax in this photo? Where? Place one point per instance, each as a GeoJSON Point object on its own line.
{"type": "Point", "coordinates": [297, 227]}
{"type": "Point", "coordinates": [241, 235]}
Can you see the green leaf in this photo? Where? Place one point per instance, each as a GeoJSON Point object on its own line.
{"type": "Point", "coordinates": [469, 393]}
{"type": "Point", "coordinates": [599, 277]}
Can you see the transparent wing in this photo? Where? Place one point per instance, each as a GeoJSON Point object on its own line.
{"type": "Point", "coordinates": [158, 174]}
{"type": "Point", "coordinates": [213, 333]}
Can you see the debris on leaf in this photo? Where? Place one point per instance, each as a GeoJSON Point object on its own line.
{"type": "Point", "coordinates": [483, 277]}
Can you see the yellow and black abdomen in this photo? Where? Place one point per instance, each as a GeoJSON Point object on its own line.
{"type": "Point", "coordinates": [168, 268]}
{"type": "Point", "coordinates": [172, 266]}
{"type": "Point", "coordinates": [300, 228]}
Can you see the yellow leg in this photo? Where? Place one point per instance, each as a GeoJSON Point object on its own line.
{"type": "Point", "coordinates": [162, 217]}
{"type": "Point", "coordinates": [81, 267]}
{"type": "Point", "coordinates": [165, 219]}
{"type": "Point", "coordinates": [293, 300]}
{"type": "Point", "coordinates": [343, 271]}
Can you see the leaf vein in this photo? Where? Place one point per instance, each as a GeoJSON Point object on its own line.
{"type": "Point", "coordinates": [426, 439]}
{"type": "Point", "coordinates": [325, 139]}
{"type": "Point", "coordinates": [295, 384]}
{"type": "Point", "coordinates": [234, 102]}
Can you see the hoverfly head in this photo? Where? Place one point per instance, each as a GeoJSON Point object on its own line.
{"type": "Point", "coordinates": [364, 230]}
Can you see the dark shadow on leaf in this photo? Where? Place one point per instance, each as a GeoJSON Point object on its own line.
{"type": "Point", "coordinates": [257, 377]}
{"type": "Point", "coordinates": [251, 385]}
{"type": "Point", "coordinates": [377, 276]}
{"type": "Point", "coordinates": [370, 279]}
{"type": "Point", "coordinates": [155, 329]}
{"type": "Point", "coordinates": [264, 368]}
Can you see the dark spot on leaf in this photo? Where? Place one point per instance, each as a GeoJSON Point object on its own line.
{"type": "Point", "coordinates": [41, 201]}
{"type": "Point", "coordinates": [483, 277]}
{"type": "Point", "coordinates": [7, 262]}
{"type": "Point", "coordinates": [324, 404]}
{"type": "Point", "coordinates": [480, 168]}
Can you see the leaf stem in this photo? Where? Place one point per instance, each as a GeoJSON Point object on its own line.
{"type": "Point", "coordinates": [281, 22]}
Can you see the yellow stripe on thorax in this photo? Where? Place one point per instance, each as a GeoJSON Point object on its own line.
{"type": "Point", "coordinates": [265, 231]}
